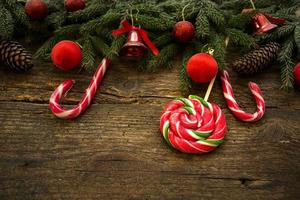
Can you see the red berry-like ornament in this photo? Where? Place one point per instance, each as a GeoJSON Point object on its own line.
{"type": "Point", "coordinates": [297, 75]}
{"type": "Point", "coordinates": [66, 55]}
{"type": "Point", "coordinates": [202, 67]}
{"type": "Point", "coordinates": [36, 9]}
{"type": "Point", "coordinates": [74, 5]}
{"type": "Point", "coordinates": [183, 31]}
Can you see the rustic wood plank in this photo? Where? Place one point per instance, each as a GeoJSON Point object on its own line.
{"type": "Point", "coordinates": [116, 151]}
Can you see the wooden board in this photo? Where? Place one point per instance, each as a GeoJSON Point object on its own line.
{"type": "Point", "coordinates": [115, 150]}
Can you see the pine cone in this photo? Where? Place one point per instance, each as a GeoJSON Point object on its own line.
{"type": "Point", "coordinates": [256, 60]}
{"type": "Point", "coordinates": [15, 56]}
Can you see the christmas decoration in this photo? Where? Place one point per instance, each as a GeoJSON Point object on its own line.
{"type": "Point", "coordinates": [36, 9]}
{"type": "Point", "coordinates": [297, 75]}
{"type": "Point", "coordinates": [63, 88]}
{"type": "Point", "coordinates": [202, 67]}
{"type": "Point", "coordinates": [193, 125]}
{"type": "Point", "coordinates": [13, 19]}
{"type": "Point", "coordinates": [74, 5]}
{"type": "Point", "coordinates": [134, 46]}
{"type": "Point", "coordinates": [213, 22]}
{"type": "Point", "coordinates": [66, 55]}
{"type": "Point", "coordinates": [15, 56]}
{"type": "Point", "coordinates": [184, 31]}
{"type": "Point", "coordinates": [261, 24]}
{"type": "Point", "coordinates": [233, 105]}
{"type": "Point", "coordinates": [257, 60]}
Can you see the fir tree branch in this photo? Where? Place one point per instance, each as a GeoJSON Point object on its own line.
{"type": "Point", "coordinates": [153, 23]}
{"type": "Point", "coordinates": [218, 44]}
{"type": "Point", "coordinates": [163, 39]}
{"type": "Point", "coordinates": [240, 21]}
{"type": "Point", "coordinates": [164, 58]}
{"type": "Point", "coordinates": [45, 49]}
{"type": "Point", "coordinates": [92, 11]}
{"type": "Point", "coordinates": [202, 25]}
{"type": "Point", "coordinates": [285, 30]}
{"type": "Point", "coordinates": [213, 14]}
{"type": "Point", "coordinates": [19, 15]}
{"type": "Point", "coordinates": [297, 38]}
{"type": "Point", "coordinates": [56, 19]}
{"type": "Point", "coordinates": [6, 24]}
{"type": "Point", "coordinates": [285, 58]}
{"type": "Point", "coordinates": [240, 38]}
{"type": "Point", "coordinates": [99, 45]}
{"type": "Point", "coordinates": [66, 32]}
{"type": "Point", "coordinates": [109, 18]}
{"type": "Point", "coordinates": [88, 52]}
{"type": "Point", "coordinates": [185, 82]}
{"type": "Point", "coordinates": [116, 46]}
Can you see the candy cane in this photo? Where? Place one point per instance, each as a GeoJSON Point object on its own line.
{"type": "Point", "coordinates": [193, 125]}
{"type": "Point", "coordinates": [65, 86]}
{"type": "Point", "coordinates": [233, 105]}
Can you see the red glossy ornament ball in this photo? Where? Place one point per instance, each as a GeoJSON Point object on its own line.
{"type": "Point", "coordinates": [66, 55]}
{"type": "Point", "coordinates": [202, 67]}
{"type": "Point", "coordinates": [183, 31]}
{"type": "Point", "coordinates": [36, 9]}
{"type": "Point", "coordinates": [74, 5]}
{"type": "Point", "coordinates": [297, 75]}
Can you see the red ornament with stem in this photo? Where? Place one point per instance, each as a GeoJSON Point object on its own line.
{"type": "Point", "coordinates": [183, 31]}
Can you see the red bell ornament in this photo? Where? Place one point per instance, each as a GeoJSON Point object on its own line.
{"type": "Point", "coordinates": [261, 24]}
{"type": "Point", "coordinates": [134, 47]}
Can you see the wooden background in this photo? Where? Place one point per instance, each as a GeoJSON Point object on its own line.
{"type": "Point", "coordinates": [115, 150]}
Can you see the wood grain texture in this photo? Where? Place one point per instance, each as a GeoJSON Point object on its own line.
{"type": "Point", "coordinates": [115, 150]}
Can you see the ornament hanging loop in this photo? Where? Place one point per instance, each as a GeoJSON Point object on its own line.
{"type": "Point", "coordinates": [183, 10]}
{"type": "Point", "coordinates": [211, 51]}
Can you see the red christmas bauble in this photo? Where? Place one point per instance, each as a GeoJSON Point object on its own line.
{"type": "Point", "coordinates": [183, 31]}
{"type": "Point", "coordinates": [202, 67]}
{"type": "Point", "coordinates": [74, 5]}
{"type": "Point", "coordinates": [66, 55]}
{"type": "Point", "coordinates": [297, 75]}
{"type": "Point", "coordinates": [36, 9]}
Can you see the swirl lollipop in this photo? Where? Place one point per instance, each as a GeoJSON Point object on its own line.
{"type": "Point", "coordinates": [193, 125]}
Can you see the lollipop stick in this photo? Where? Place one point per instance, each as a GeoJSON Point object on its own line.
{"type": "Point", "coordinates": [252, 4]}
{"type": "Point", "coordinates": [210, 86]}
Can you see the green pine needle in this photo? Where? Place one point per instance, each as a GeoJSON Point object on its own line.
{"type": "Point", "coordinates": [100, 22]}
{"type": "Point", "coordinates": [214, 14]}
{"type": "Point", "coordinates": [116, 46]}
{"type": "Point", "coordinates": [202, 25]}
{"type": "Point", "coordinates": [153, 23]}
{"type": "Point", "coordinates": [163, 39]}
{"type": "Point", "coordinates": [164, 58]}
{"type": "Point", "coordinates": [238, 37]}
{"type": "Point", "coordinates": [88, 52]}
{"type": "Point", "coordinates": [6, 24]}
{"type": "Point", "coordinates": [297, 38]}
{"type": "Point", "coordinates": [185, 82]}
{"type": "Point", "coordinates": [287, 64]}
{"type": "Point", "coordinates": [100, 46]}
{"type": "Point", "coordinates": [218, 44]}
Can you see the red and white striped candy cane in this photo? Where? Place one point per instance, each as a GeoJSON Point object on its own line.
{"type": "Point", "coordinates": [193, 125]}
{"type": "Point", "coordinates": [65, 86]}
{"type": "Point", "coordinates": [234, 106]}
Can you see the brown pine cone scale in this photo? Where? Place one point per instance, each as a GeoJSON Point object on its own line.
{"type": "Point", "coordinates": [15, 56]}
{"type": "Point", "coordinates": [257, 60]}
